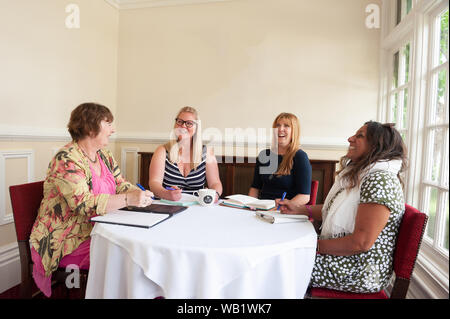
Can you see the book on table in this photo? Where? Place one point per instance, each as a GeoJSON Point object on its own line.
{"type": "Point", "coordinates": [275, 217]}
{"type": "Point", "coordinates": [156, 209]}
{"type": "Point", "coordinates": [140, 219]}
{"type": "Point", "coordinates": [186, 200]}
{"type": "Point", "coordinates": [244, 201]}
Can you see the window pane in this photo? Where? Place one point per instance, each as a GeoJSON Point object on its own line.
{"type": "Point", "coordinates": [432, 204]}
{"type": "Point", "coordinates": [439, 114]}
{"type": "Point", "coordinates": [445, 168]}
{"type": "Point", "coordinates": [437, 139]}
{"type": "Point", "coordinates": [405, 108]}
{"type": "Point", "coordinates": [406, 52]}
{"type": "Point", "coordinates": [443, 44]}
{"type": "Point", "coordinates": [393, 115]}
{"type": "Point", "coordinates": [395, 74]}
{"type": "Point", "coordinates": [403, 134]}
{"type": "Point", "coordinates": [403, 8]}
{"type": "Point", "coordinates": [446, 222]}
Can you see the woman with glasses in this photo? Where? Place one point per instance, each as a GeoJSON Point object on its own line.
{"type": "Point", "coordinates": [184, 164]}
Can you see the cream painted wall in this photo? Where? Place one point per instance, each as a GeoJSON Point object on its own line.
{"type": "Point", "coordinates": [240, 63]}
{"type": "Point", "coordinates": [46, 71]}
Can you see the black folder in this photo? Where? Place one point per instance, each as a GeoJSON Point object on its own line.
{"type": "Point", "coordinates": [157, 209]}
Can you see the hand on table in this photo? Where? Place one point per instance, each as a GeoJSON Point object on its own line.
{"type": "Point", "coordinates": [139, 198]}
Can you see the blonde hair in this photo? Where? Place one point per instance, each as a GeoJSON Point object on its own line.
{"type": "Point", "coordinates": [288, 158]}
{"type": "Point", "coordinates": [173, 148]}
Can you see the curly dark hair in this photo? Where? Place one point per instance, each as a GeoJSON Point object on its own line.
{"type": "Point", "coordinates": [385, 143]}
{"type": "Point", "coordinates": [85, 120]}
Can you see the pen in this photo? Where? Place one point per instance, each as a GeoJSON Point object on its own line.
{"type": "Point", "coordinates": [170, 188]}
{"type": "Point", "coordinates": [142, 187]}
{"type": "Point", "coordinates": [282, 199]}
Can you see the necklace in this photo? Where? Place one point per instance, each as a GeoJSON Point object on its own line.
{"type": "Point", "coordinates": [92, 161]}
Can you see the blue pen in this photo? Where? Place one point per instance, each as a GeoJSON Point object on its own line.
{"type": "Point", "coordinates": [142, 187]}
{"type": "Point", "coordinates": [171, 188]}
{"type": "Point", "coordinates": [282, 199]}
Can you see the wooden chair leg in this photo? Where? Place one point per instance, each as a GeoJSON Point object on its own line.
{"type": "Point", "coordinates": [25, 289]}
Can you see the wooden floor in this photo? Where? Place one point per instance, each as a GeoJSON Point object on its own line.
{"type": "Point", "coordinates": [59, 292]}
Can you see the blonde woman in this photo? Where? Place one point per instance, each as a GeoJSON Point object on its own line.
{"type": "Point", "coordinates": [184, 164]}
{"type": "Point", "coordinates": [285, 167]}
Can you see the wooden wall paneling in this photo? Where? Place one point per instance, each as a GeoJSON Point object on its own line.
{"type": "Point", "coordinates": [236, 174]}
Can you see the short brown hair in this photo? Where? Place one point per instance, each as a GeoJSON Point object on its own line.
{"type": "Point", "coordinates": [85, 120]}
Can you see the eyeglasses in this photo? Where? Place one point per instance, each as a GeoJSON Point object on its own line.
{"type": "Point", "coordinates": [189, 124]}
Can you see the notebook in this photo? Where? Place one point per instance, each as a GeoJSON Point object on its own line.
{"type": "Point", "coordinates": [186, 200]}
{"type": "Point", "coordinates": [157, 209]}
{"type": "Point", "coordinates": [244, 201]}
{"type": "Point", "coordinates": [131, 218]}
{"type": "Point", "coordinates": [275, 217]}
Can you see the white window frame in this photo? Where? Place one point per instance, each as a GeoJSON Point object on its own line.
{"type": "Point", "coordinates": [432, 268]}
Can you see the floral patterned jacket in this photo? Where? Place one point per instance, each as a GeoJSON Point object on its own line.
{"type": "Point", "coordinates": [63, 222]}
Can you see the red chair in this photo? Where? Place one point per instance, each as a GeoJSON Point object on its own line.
{"type": "Point", "coordinates": [313, 194]}
{"type": "Point", "coordinates": [410, 236]}
{"type": "Point", "coordinates": [25, 201]}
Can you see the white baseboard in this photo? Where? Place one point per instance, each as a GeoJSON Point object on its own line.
{"type": "Point", "coordinates": [9, 266]}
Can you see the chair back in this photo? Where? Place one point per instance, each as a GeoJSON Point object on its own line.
{"type": "Point", "coordinates": [410, 234]}
{"type": "Point", "coordinates": [313, 194]}
{"type": "Point", "coordinates": [25, 202]}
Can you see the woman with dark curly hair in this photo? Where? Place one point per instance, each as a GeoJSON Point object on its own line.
{"type": "Point", "coordinates": [361, 214]}
{"type": "Point", "coordinates": [83, 180]}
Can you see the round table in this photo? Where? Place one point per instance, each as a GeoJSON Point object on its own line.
{"type": "Point", "coordinates": [202, 252]}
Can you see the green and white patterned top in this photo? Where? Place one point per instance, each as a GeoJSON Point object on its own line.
{"type": "Point", "coordinates": [370, 271]}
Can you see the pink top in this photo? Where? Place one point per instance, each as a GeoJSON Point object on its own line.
{"type": "Point", "coordinates": [103, 184]}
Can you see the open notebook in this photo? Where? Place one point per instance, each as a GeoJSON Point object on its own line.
{"type": "Point", "coordinates": [244, 201]}
{"type": "Point", "coordinates": [186, 200]}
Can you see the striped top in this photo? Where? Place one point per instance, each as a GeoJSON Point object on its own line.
{"type": "Point", "coordinates": [195, 180]}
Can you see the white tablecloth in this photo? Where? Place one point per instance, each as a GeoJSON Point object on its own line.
{"type": "Point", "coordinates": [202, 252]}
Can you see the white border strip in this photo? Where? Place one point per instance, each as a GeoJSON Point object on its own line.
{"type": "Point", "coordinates": [29, 155]}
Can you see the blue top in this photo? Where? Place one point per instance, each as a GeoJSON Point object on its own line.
{"type": "Point", "coordinates": [271, 186]}
{"type": "Point", "coordinates": [195, 180]}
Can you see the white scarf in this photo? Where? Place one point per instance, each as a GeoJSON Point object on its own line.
{"type": "Point", "coordinates": [339, 220]}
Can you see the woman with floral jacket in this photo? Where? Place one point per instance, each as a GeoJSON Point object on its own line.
{"type": "Point", "coordinates": [83, 180]}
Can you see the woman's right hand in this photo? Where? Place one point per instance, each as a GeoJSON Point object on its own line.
{"type": "Point", "coordinates": [139, 198]}
{"type": "Point", "coordinates": [173, 195]}
{"type": "Point", "coordinates": [288, 207]}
